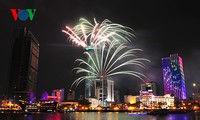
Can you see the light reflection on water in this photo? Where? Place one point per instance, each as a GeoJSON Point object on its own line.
{"type": "Point", "coordinates": [98, 116]}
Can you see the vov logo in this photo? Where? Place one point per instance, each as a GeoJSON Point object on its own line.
{"type": "Point", "coordinates": [23, 14]}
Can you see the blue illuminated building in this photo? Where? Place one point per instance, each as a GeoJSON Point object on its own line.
{"type": "Point", "coordinates": [173, 76]}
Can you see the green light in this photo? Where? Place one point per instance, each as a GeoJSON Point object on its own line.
{"type": "Point", "coordinates": [89, 48]}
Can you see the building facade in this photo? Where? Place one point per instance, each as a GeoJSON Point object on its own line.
{"type": "Point", "coordinates": [59, 93]}
{"type": "Point", "coordinates": [130, 99]}
{"type": "Point", "coordinates": [150, 101]}
{"type": "Point", "coordinates": [24, 65]}
{"type": "Point", "coordinates": [116, 96]}
{"type": "Point", "coordinates": [71, 95]}
{"type": "Point", "coordinates": [173, 76]}
{"type": "Point", "coordinates": [150, 87]}
{"type": "Point", "coordinates": [104, 91]}
{"type": "Point", "coordinates": [90, 83]}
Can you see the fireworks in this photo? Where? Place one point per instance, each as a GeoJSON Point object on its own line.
{"type": "Point", "coordinates": [109, 61]}
{"type": "Point", "coordinates": [107, 51]}
{"type": "Point", "coordinates": [86, 34]}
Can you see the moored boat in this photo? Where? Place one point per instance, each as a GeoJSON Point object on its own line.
{"type": "Point", "coordinates": [137, 113]}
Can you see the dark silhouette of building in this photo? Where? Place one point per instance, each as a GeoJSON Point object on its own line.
{"type": "Point", "coordinates": [150, 87]}
{"type": "Point", "coordinates": [24, 65]}
{"type": "Point", "coordinates": [71, 95]}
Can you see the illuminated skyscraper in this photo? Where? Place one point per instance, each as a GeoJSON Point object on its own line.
{"type": "Point", "coordinates": [24, 65]}
{"type": "Point", "coordinates": [173, 76]}
{"type": "Point", "coordinates": [89, 83]}
{"type": "Point", "coordinates": [104, 91]}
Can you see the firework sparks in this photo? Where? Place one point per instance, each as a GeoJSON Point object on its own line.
{"type": "Point", "coordinates": [86, 34]}
{"type": "Point", "coordinates": [109, 61]}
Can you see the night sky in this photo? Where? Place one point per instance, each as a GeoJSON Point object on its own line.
{"type": "Point", "coordinates": [161, 27]}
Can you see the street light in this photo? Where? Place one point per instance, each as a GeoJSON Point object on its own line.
{"type": "Point", "coordinates": [194, 90]}
{"type": "Point", "coordinates": [196, 87]}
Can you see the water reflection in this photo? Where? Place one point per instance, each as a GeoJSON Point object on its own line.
{"type": "Point", "coordinates": [29, 117]}
{"type": "Point", "coordinates": [98, 116]}
{"type": "Point", "coordinates": [93, 115]}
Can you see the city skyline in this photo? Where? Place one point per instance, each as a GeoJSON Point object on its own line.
{"type": "Point", "coordinates": [161, 28]}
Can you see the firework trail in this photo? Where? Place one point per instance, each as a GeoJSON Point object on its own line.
{"type": "Point", "coordinates": [106, 50]}
{"type": "Point", "coordinates": [89, 36]}
{"type": "Point", "coordinates": [111, 60]}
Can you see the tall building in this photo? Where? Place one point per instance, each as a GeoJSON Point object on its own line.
{"type": "Point", "coordinates": [104, 91]}
{"type": "Point", "coordinates": [173, 76]}
{"type": "Point", "coordinates": [59, 93]}
{"type": "Point", "coordinates": [116, 96]}
{"type": "Point", "coordinates": [89, 88]}
{"type": "Point", "coordinates": [89, 83]}
{"type": "Point", "coordinates": [24, 65]}
{"type": "Point", "coordinates": [71, 95]}
{"type": "Point", "coordinates": [150, 87]}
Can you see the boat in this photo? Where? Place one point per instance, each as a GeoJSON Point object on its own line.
{"type": "Point", "coordinates": [137, 113]}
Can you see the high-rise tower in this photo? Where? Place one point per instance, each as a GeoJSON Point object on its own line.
{"type": "Point", "coordinates": [24, 65]}
{"type": "Point", "coordinates": [104, 91]}
{"type": "Point", "coordinates": [173, 76]}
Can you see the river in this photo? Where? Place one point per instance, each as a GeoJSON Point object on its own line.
{"type": "Point", "coordinates": [98, 116]}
